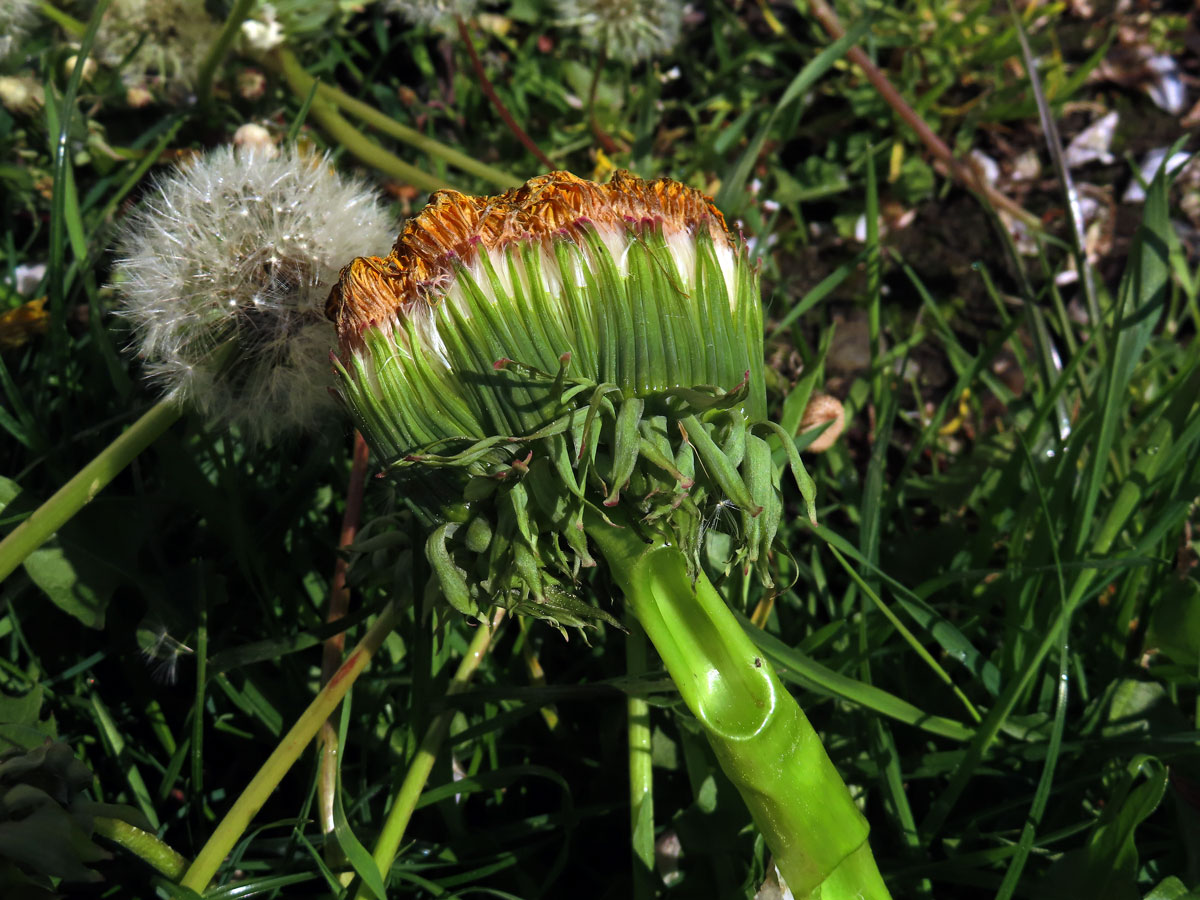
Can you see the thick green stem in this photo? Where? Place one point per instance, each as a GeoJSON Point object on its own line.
{"type": "Point", "coordinates": [231, 828]}
{"type": "Point", "coordinates": [143, 844]}
{"type": "Point", "coordinates": [329, 99]}
{"type": "Point", "coordinates": [761, 738]}
{"type": "Point", "coordinates": [346, 134]}
{"type": "Point", "coordinates": [415, 139]}
{"type": "Point", "coordinates": [405, 801]}
{"type": "Point", "coordinates": [216, 53]}
{"type": "Point", "coordinates": [87, 483]}
{"type": "Point", "coordinates": [641, 770]}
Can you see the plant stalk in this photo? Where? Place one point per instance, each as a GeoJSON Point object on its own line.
{"type": "Point", "coordinates": [335, 645]}
{"type": "Point", "coordinates": [329, 99]}
{"type": "Point", "coordinates": [415, 139]}
{"type": "Point", "coordinates": [68, 23]}
{"type": "Point", "coordinates": [86, 484]}
{"type": "Point", "coordinates": [405, 801]}
{"type": "Point", "coordinates": [142, 844]}
{"type": "Point", "coordinates": [641, 768]}
{"type": "Point", "coordinates": [220, 46]}
{"type": "Point", "coordinates": [761, 738]}
{"type": "Point", "coordinates": [346, 134]}
{"type": "Point", "coordinates": [231, 828]}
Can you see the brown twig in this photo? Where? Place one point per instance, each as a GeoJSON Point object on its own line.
{"type": "Point", "coordinates": [960, 170]}
{"type": "Point", "coordinates": [339, 605]}
{"type": "Point", "coordinates": [486, 85]}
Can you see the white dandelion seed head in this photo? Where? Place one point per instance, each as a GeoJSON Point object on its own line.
{"type": "Point", "coordinates": [170, 37]}
{"type": "Point", "coordinates": [240, 250]}
{"type": "Point", "coordinates": [433, 12]}
{"type": "Point", "coordinates": [17, 17]}
{"type": "Point", "coordinates": [633, 30]}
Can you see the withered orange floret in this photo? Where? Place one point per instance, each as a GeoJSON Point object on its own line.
{"type": "Point", "coordinates": [456, 226]}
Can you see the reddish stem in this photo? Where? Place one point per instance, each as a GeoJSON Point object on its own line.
{"type": "Point", "coordinates": [335, 645]}
{"type": "Point", "coordinates": [339, 593]}
{"type": "Point", "coordinates": [490, 92]}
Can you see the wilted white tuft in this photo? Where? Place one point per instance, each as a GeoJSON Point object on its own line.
{"type": "Point", "coordinates": [238, 250]}
{"type": "Point", "coordinates": [22, 94]}
{"type": "Point", "coordinates": [16, 18]}
{"type": "Point", "coordinates": [254, 136]}
{"type": "Point", "coordinates": [632, 30]}
{"type": "Point", "coordinates": [263, 31]}
{"type": "Point", "coordinates": [168, 40]}
{"type": "Point", "coordinates": [433, 12]}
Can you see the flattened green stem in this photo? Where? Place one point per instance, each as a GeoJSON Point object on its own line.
{"type": "Point", "coordinates": [86, 484]}
{"type": "Point", "coordinates": [302, 83]}
{"type": "Point", "coordinates": [142, 844]}
{"type": "Point", "coordinates": [405, 801]}
{"type": "Point", "coordinates": [641, 774]}
{"type": "Point", "coordinates": [761, 738]}
{"type": "Point", "coordinates": [231, 828]}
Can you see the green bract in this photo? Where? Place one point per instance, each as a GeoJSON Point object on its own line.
{"type": "Point", "coordinates": [519, 360]}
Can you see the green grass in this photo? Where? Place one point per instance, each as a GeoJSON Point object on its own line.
{"type": "Point", "coordinates": [1004, 535]}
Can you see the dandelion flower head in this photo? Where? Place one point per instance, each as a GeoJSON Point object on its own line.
{"type": "Point", "coordinates": [433, 12]}
{"type": "Point", "coordinates": [240, 250]}
{"type": "Point", "coordinates": [633, 30]}
{"type": "Point", "coordinates": [168, 39]}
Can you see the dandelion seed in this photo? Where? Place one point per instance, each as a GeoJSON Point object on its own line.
{"type": "Point", "coordinates": [162, 652]}
{"type": "Point", "coordinates": [239, 251]}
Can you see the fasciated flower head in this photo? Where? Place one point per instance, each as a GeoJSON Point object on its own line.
{"type": "Point", "coordinates": [223, 272]}
{"type": "Point", "coordinates": [562, 347]}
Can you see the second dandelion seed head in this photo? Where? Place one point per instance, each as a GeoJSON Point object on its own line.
{"type": "Point", "coordinates": [629, 30]}
{"type": "Point", "coordinates": [223, 273]}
